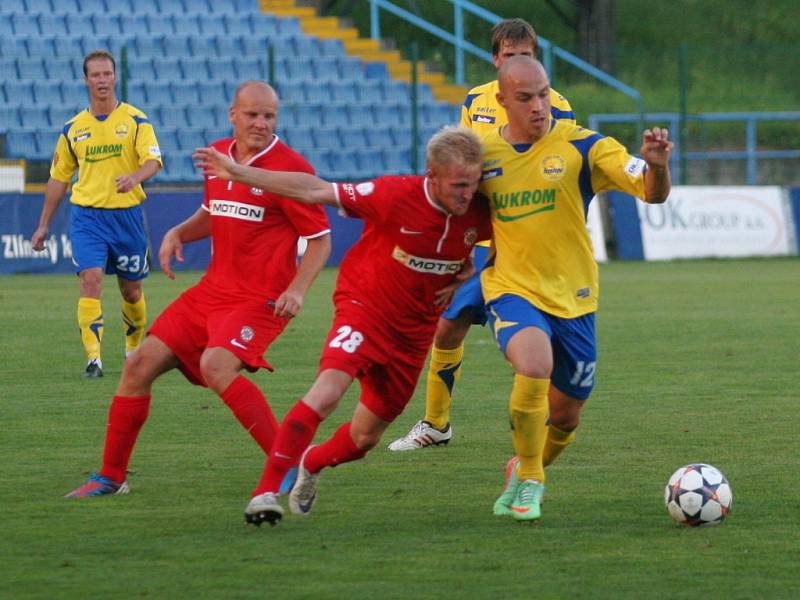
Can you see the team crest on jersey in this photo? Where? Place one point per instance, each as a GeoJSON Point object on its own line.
{"type": "Point", "coordinates": [121, 130]}
{"type": "Point", "coordinates": [470, 235]}
{"type": "Point", "coordinates": [247, 333]}
{"type": "Point", "coordinates": [366, 188]}
{"type": "Point", "coordinates": [256, 191]}
{"type": "Point", "coordinates": [553, 167]}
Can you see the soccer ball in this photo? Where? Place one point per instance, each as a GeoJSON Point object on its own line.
{"type": "Point", "coordinates": [698, 494]}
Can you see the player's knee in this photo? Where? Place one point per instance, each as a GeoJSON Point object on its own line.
{"type": "Point", "coordinates": [566, 417]}
{"type": "Point", "coordinates": [139, 369]}
{"type": "Point", "coordinates": [365, 440]}
{"type": "Point", "coordinates": [450, 334]}
{"type": "Point", "coordinates": [216, 376]}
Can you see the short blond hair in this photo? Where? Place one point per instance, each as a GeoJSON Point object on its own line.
{"type": "Point", "coordinates": [453, 144]}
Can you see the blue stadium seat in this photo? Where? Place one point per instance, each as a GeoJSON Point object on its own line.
{"type": "Point", "coordinates": [79, 24]}
{"type": "Point", "coordinates": [24, 24]}
{"type": "Point", "coordinates": [168, 69]}
{"type": "Point", "coordinates": [19, 91]}
{"type": "Point", "coordinates": [145, 46]}
{"type": "Point", "coordinates": [299, 69]}
{"type": "Point", "coordinates": [201, 46]}
{"type": "Point", "coordinates": [46, 141]}
{"type": "Point", "coordinates": [12, 47]}
{"type": "Point", "coordinates": [167, 139]}
{"type": "Point", "coordinates": [194, 69]}
{"type": "Point", "coordinates": [38, 6]}
{"type": "Point", "coordinates": [292, 91]}
{"type": "Point", "coordinates": [6, 29]}
{"type": "Point", "coordinates": [158, 24]}
{"type": "Point", "coordinates": [134, 25]}
{"type": "Point", "coordinates": [178, 46]}
{"type": "Point", "coordinates": [186, 24]}
{"type": "Point", "coordinates": [212, 134]}
{"type": "Point", "coordinates": [41, 47]}
{"type": "Point", "coordinates": [376, 71]}
{"type": "Point", "coordinates": [250, 68]}
{"type": "Point", "coordinates": [136, 91]}
{"type": "Point", "coordinates": [147, 7]}
{"type": "Point", "coordinates": [254, 45]}
{"type": "Point", "coordinates": [204, 116]}
{"type": "Point", "coordinates": [370, 92]}
{"type": "Point", "coordinates": [46, 93]}
{"type": "Point", "coordinates": [68, 47]}
{"type": "Point", "coordinates": [246, 6]}
{"type": "Point", "coordinates": [371, 164]}
{"type": "Point", "coordinates": [336, 115]}
{"type": "Point", "coordinates": [378, 137]}
{"type": "Point", "coordinates": [172, 115]}
{"type": "Point", "coordinates": [319, 160]}
{"type": "Point", "coordinates": [350, 69]}
{"type": "Point", "coordinates": [354, 138]}
{"type": "Point", "coordinates": [9, 117]}
{"type": "Point", "coordinates": [8, 69]}
{"type": "Point", "coordinates": [213, 93]}
{"type": "Point", "coordinates": [105, 24]}
{"type": "Point", "coordinates": [324, 68]}
{"type": "Point", "coordinates": [59, 115]}
{"type": "Point", "coordinates": [310, 115]}
{"type": "Point", "coordinates": [74, 94]}
{"type": "Point", "coordinates": [287, 26]}
{"type": "Point", "coordinates": [158, 92]}
{"type": "Point", "coordinates": [397, 160]}
{"type": "Point", "coordinates": [237, 24]}
{"type": "Point", "coordinates": [344, 164]}
{"type": "Point", "coordinates": [184, 93]}
{"type": "Point", "coordinates": [343, 92]}
{"type": "Point", "coordinates": [326, 137]}
{"type": "Point", "coordinates": [193, 7]}
{"type": "Point", "coordinates": [360, 115]}
{"type": "Point", "coordinates": [395, 91]}
{"type": "Point", "coordinates": [189, 139]}
{"type": "Point", "coordinates": [212, 25]}
{"type": "Point", "coordinates": [67, 6]}
{"type": "Point", "coordinates": [331, 47]}
{"type": "Point", "coordinates": [303, 45]}
{"type": "Point", "coordinates": [21, 143]}
{"type": "Point", "coordinates": [92, 42]}
{"type": "Point", "coordinates": [141, 69]}
{"type": "Point", "coordinates": [269, 26]}
{"type": "Point", "coordinates": [95, 7]}
{"type": "Point", "coordinates": [221, 69]}
{"type": "Point", "coordinates": [228, 45]}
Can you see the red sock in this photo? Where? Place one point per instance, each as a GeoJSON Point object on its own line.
{"type": "Point", "coordinates": [125, 418]}
{"type": "Point", "coordinates": [339, 449]}
{"type": "Point", "coordinates": [252, 410]}
{"type": "Point", "coordinates": [295, 434]}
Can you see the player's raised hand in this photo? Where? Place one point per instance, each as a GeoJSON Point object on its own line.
{"type": "Point", "coordinates": [656, 147]}
{"type": "Point", "coordinates": [171, 246]}
{"type": "Point", "coordinates": [213, 163]}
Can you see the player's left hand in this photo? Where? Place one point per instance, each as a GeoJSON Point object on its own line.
{"type": "Point", "coordinates": [656, 147]}
{"type": "Point", "coordinates": [125, 183]}
{"type": "Point", "coordinates": [288, 304]}
{"type": "Point", "coordinates": [444, 295]}
{"type": "Point", "coordinates": [213, 163]}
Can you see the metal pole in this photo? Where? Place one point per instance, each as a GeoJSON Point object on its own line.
{"type": "Point", "coordinates": [123, 61]}
{"type": "Point", "coordinates": [374, 20]}
{"type": "Point", "coordinates": [683, 133]}
{"type": "Point", "coordinates": [458, 20]}
{"type": "Point", "coordinates": [271, 65]}
{"type": "Point", "coordinates": [414, 109]}
{"type": "Point", "coordinates": [752, 164]}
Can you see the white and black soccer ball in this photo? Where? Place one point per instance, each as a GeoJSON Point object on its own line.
{"type": "Point", "coordinates": [698, 494]}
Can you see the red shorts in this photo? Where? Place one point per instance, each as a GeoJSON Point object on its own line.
{"type": "Point", "coordinates": [199, 319]}
{"type": "Point", "coordinates": [387, 368]}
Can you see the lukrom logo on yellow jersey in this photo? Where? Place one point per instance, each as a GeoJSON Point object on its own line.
{"type": "Point", "coordinates": [543, 200]}
{"type": "Point", "coordinates": [103, 152]}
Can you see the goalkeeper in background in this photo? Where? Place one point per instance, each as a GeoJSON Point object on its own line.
{"type": "Point", "coordinates": [113, 147]}
{"type": "Point", "coordinates": [482, 113]}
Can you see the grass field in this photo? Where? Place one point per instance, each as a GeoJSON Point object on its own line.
{"type": "Point", "coordinates": [699, 362]}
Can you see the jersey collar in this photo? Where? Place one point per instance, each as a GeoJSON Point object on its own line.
{"type": "Point", "coordinates": [255, 156]}
{"type": "Point", "coordinates": [430, 199]}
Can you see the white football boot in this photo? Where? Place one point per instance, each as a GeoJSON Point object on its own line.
{"type": "Point", "coordinates": [422, 435]}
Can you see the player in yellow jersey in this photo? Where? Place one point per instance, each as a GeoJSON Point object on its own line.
{"type": "Point", "coordinates": [541, 284]}
{"type": "Point", "coordinates": [482, 113]}
{"type": "Point", "coordinates": [113, 147]}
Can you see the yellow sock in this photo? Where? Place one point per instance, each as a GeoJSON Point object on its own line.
{"type": "Point", "coordinates": [557, 442]}
{"type": "Point", "coordinates": [134, 317]}
{"type": "Point", "coordinates": [443, 372]}
{"type": "Point", "coordinates": [528, 409]}
{"type": "Point", "coordinates": [90, 323]}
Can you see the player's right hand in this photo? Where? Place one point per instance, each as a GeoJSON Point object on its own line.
{"type": "Point", "coordinates": [213, 163]}
{"type": "Point", "coordinates": [171, 246]}
{"type": "Point", "coordinates": [38, 237]}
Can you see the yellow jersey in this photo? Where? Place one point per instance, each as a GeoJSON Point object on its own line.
{"type": "Point", "coordinates": [539, 195]}
{"type": "Point", "coordinates": [482, 113]}
{"type": "Point", "coordinates": [102, 148]}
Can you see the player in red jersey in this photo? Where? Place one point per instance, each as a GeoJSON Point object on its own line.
{"type": "Point", "coordinates": [253, 286]}
{"type": "Point", "coordinates": [392, 286]}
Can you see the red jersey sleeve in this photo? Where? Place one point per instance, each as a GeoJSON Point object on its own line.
{"type": "Point", "coordinates": [368, 200]}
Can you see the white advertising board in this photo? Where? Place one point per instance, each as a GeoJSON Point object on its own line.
{"type": "Point", "coordinates": [712, 221]}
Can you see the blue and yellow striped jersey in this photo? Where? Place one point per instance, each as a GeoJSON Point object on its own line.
{"type": "Point", "coordinates": [103, 148]}
{"type": "Point", "coordinates": [481, 112]}
{"type": "Point", "coordinates": [539, 195]}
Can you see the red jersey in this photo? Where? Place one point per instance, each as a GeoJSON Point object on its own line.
{"type": "Point", "coordinates": [410, 248]}
{"type": "Point", "coordinates": [254, 233]}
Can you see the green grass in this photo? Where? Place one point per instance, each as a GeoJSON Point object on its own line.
{"type": "Point", "coordinates": [698, 362]}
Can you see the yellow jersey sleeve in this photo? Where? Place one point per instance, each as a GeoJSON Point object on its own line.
{"type": "Point", "coordinates": [64, 163]}
{"type": "Point", "coordinates": [614, 169]}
